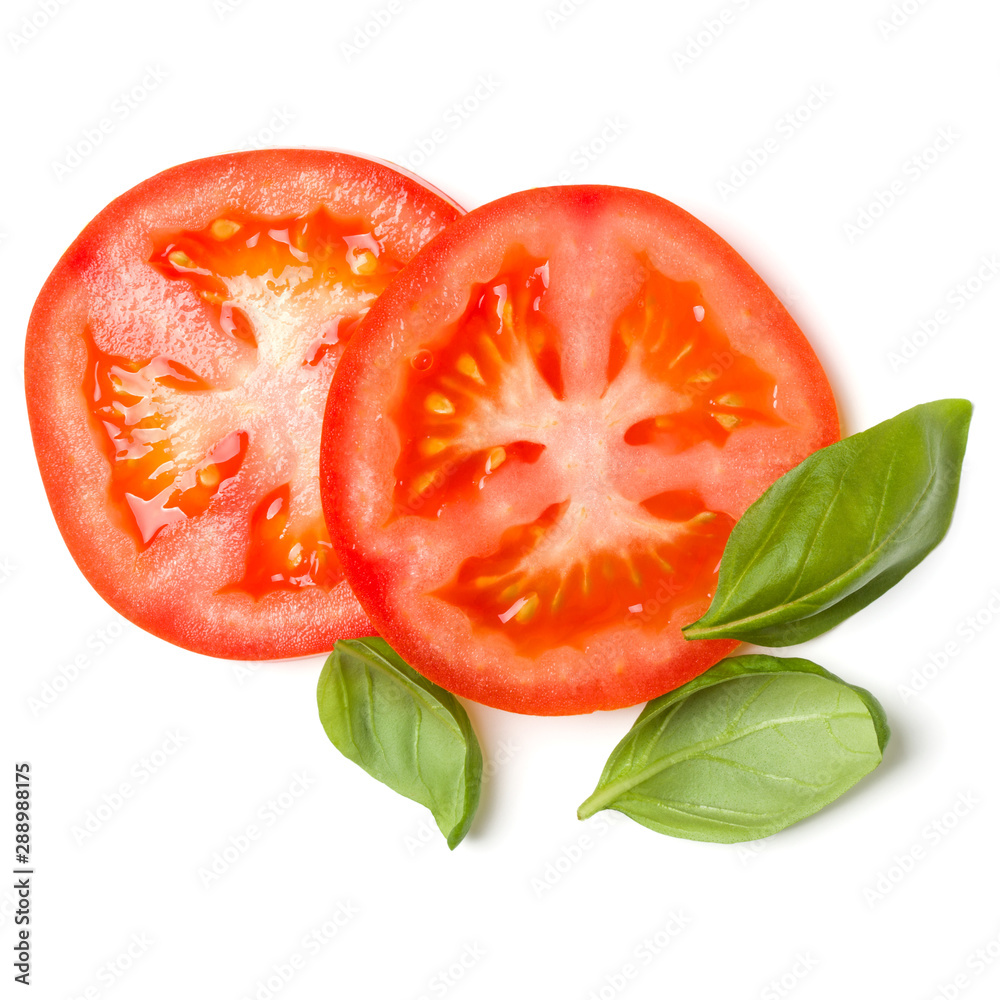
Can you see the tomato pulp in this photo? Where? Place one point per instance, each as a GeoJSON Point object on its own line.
{"type": "Point", "coordinates": [539, 439]}
{"type": "Point", "coordinates": [177, 365]}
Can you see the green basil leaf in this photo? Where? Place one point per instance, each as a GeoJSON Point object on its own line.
{"type": "Point", "coordinates": [403, 730]}
{"type": "Point", "coordinates": [754, 744]}
{"type": "Point", "coordinates": [839, 529]}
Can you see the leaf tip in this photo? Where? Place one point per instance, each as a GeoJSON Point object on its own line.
{"type": "Point", "coordinates": [457, 834]}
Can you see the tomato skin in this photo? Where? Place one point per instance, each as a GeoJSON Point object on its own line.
{"type": "Point", "coordinates": [404, 569]}
{"type": "Point", "coordinates": [104, 284]}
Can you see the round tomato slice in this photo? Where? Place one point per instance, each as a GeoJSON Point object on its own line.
{"type": "Point", "coordinates": [177, 365]}
{"type": "Point", "coordinates": [538, 443]}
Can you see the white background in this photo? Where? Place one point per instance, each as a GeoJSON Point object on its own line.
{"type": "Point", "coordinates": [822, 910]}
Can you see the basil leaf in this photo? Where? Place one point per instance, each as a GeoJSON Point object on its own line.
{"type": "Point", "coordinates": [839, 529]}
{"type": "Point", "coordinates": [403, 730]}
{"type": "Point", "coordinates": [754, 744]}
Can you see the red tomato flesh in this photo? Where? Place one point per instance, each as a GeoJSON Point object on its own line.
{"type": "Point", "coordinates": [177, 366]}
{"type": "Point", "coordinates": [542, 435]}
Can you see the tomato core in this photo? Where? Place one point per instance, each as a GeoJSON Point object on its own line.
{"type": "Point", "coordinates": [488, 394]}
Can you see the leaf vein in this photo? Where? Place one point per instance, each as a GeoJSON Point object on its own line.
{"type": "Point", "coordinates": [830, 586]}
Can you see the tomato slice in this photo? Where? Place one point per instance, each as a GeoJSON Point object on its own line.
{"type": "Point", "coordinates": [541, 436]}
{"type": "Point", "coordinates": [177, 365]}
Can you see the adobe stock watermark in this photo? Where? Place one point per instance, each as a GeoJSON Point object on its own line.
{"type": "Point", "coordinates": [427, 832]}
{"type": "Point", "coordinates": [445, 980]}
{"type": "Point", "coordinates": [122, 107]}
{"type": "Point", "coordinates": [7, 568]}
{"type": "Point", "coordinates": [454, 117]}
{"type": "Point", "coordinates": [244, 671]}
{"type": "Point", "coordinates": [968, 630]}
{"type": "Point", "coordinates": [898, 17]}
{"type": "Point", "coordinates": [68, 673]}
{"type": "Point", "coordinates": [8, 907]}
{"type": "Point", "coordinates": [266, 817]}
{"type": "Point", "coordinates": [591, 150]}
{"type": "Point", "coordinates": [935, 833]}
{"type": "Point", "coordinates": [977, 963]}
{"type": "Point", "coordinates": [223, 8]}
{"type": "Point", "coordinates": [955, 300]}
{"type": "Point", "coordinates": [557, 15]}
{"type": "Point", "coordinates": [32, 25]}
{"type": "Point", "coordinates": [371, 28]}
{"type": "Point", "coordinates": [596, 830]}
{"type": "Point", "coordinates": [751, 850]}
{"type": "Point", "coordinates": [606, 653]}
{"type": "Point", "coordinates": [281, 118]}
{"type": "Point", "coordinates": [785, 984]}
{"type": "Point", "coordinates": [708, 33]}
{"type": "Point", "coordinates": [785, 128]}
{"type": "Point", "coordinates": [424, 489]}
{"type": "Point", "coordinates": [888, 195]}
{"type": "Point", "coordinates": [139, 775]}
{"type": "Point", "coordinates": [652, 946]}
{"type": "Point", "coordinates": [313, 943]}
{"type": "Point", "coordinates": [111, 972]}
